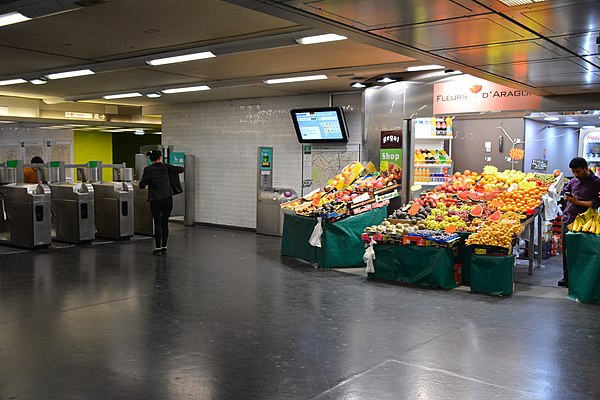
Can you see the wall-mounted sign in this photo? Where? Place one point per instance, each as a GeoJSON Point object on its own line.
{"type": "Point", "coordinates": [390, 152]}
{"type": "Point", "coordinates": [81, 115]}
{"type": "Point", "coordinates": [470, 94]}
{"type": "Point", "coordinates": [538, 164]}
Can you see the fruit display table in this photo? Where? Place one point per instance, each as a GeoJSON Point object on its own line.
{"type": "Point", "coordinates": [419, 265]}
{"type": "Point", "coordinates": [583, 254]}
{"type": "Point", "coordinates": [341, 245]}
{"type": "Point", "coordinates": [492, 274]}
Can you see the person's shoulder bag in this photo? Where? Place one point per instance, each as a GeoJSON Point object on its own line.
{"type": "Point", "coordinates": [174, 182]}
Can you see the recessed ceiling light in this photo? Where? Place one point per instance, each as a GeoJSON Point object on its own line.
{"type": "Point", "coordinates": [153, 95]}
{"type": "Point", "coordinates": [386, 80]}
{"type": "Point", "coordinates": [551, 119]}
{"type": "Point", "coordinates": [329, 37]}
{"type": "Point", "coordinates": [70, 74]}
{"type": "Point", "coordinates": [358, 85]}
{"type": "Point", "coordinates": [179, 59]}
{"type": "Point", "coordinates": [186, 89]}
{"type": "Point", "coordinates": [295, 79]}
{"type": "Point", "coordinates": [12, 18]}
{"type": "Point", "coordinates": [138, 132]}
{"type": "Point", "coordinates": [39, 81]}
{"type": "Point", "coordinates": [513, 3]}
{"type": "Point", "coordinates": [424, 68]}
{"type": "Point", "coordinates": [12, 82]}
{"type": "Point", "coordinates": [121, 96]}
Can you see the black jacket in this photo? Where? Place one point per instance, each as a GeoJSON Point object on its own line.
{"type": "Point", "coordinates": [156, 177]}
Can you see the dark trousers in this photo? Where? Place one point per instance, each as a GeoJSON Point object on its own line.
{"type": "Point", "coordinates": [563, 233]}
{"type": "Point", "coordinates": [161, 211]}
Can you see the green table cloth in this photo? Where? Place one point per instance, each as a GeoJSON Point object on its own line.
{"type": "Point", "coordinates": [341, 244]}
{"type": "Point", "coordinates": [583, 256]}
{"type": "Point", "coordinates": [419, 265]}
{"type": "Point", "coordinates": [492, 274]}
{"type": "Point", "coordinates": [464, 257]}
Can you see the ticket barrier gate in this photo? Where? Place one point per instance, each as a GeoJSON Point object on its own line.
{"type": "Point", "coordinates": [73, 212]}
{"type": "Point", "coordinates": [113, 203]}
{"type": "Point", "coordinates": [25, 219]}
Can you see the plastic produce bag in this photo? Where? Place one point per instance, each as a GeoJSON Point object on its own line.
{"type": "Point", "coordinates": [369, 257]}
{"type": "Point", "coordinates": [315, 237]}
{"type": "Point", "coordinates": [551, 207]}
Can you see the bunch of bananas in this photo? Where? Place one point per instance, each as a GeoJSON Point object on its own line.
{"type": "Point", "coordinates": [589, 221]}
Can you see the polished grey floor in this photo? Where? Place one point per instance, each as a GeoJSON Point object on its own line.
{"type": "Point", "coordinates": [223, 316]}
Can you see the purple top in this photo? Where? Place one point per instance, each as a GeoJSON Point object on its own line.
{"type": "Point", "coordinates": [585, 190]}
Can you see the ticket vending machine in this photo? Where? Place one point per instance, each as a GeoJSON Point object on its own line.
{"type": "Point", "coordinates": [269, 216]}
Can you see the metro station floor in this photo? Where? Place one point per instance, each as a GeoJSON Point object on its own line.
{"type": "Point", "coordinates": [223, 316]}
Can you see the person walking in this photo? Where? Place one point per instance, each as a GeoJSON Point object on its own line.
{"type": "Point", "coordinates": [160, 195]}
{"type": "Point", "coordinates": [580, 193]}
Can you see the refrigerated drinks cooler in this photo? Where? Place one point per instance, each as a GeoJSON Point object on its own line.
{"type": "Point", "coordinates": [589, 148]}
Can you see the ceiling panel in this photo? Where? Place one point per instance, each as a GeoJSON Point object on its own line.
{"type": "Point", "coordinates": [125, 27]}
{"type": "Point", "coordinates": [505, 53]}
{"type": "Point", "coordinates": [286, 60]}
{"type": "Point", "coordinates": [561, 18]}
{"type": "Point", "coordinates": [371, 14]}
{"type": "Point", "coordinates": [458, 33]}
{"type": "Point", "coordinates": [15, 61]}
{"type": "Point", "coordinates": [581, 44]}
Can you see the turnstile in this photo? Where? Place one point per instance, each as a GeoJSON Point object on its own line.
{"type": "Point", "coordinates": [73, 212]}
{"type": "Point", "coordinates": [113, 202]}
{"type": "Point", "coordinates": [25, 215]}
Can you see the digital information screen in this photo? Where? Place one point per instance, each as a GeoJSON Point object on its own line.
{"type": "Point", "coordinates": [319, 125]}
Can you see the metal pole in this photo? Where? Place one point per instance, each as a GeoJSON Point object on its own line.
{"type": "Point", "coordinates": [189, 218]}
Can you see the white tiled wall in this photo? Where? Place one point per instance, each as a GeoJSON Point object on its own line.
{"type": "Point", "coordinates": [224, 137]}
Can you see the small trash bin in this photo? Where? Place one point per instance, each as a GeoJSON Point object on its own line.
{"type": "Point", "coordinates": [269, 216]}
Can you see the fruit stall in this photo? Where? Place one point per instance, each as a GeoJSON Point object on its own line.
{"type": "Point", "coordinates": [324, 227]}
{"type": "Point", "coordinates": [465, 228]}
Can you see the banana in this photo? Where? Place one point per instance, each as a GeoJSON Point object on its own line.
{"type": "Point", "coordinates": [586, 226]}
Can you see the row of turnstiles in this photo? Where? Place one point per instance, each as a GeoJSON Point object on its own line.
{"type": "Point", "coordinates": [32, 215]}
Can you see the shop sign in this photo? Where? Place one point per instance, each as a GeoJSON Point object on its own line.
{"type": "Point", "coordinates": [391, 139]}
{"type": "Point", "coordinates": [177, 158]}
{"type": "Point", "coordinates": [472, 94]}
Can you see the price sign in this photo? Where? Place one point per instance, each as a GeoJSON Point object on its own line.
{"type": "Point", "coordinates": [539, 164]}
{"type": "Point", "coordinates": [317, 199]}
{"type": "Point", "coordinates": [414, 209]}
{"type": "Point", "coordinates": [450, 229]}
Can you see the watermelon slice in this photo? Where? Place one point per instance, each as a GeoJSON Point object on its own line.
{"type": "Point", "coordinates": [464, 196]}
{"type": "Point", "coordinates": [477, 211]}
{"type": "Point", "coordinates": [495, 216]}
{"type": "Point", "coordinates": [488, 196]}
{"type": "Point", "coordinates": [474, 196]}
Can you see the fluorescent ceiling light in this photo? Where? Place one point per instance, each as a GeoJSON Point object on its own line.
{"type": "Point", "coordinates": [12, 82]}
{"type": "Point", "coordinates": [153, 95]}
{"type": "Point", "coordinates": [70, 74]}
{"type": "Point", "coordinates": [183, 58]}
{"type": "Point", "coordinates": [121, 96]}
{"type": "Point", "coordinates": [186, 89]}
{"type": "Point", "coordinates": [551, 119]}
{"type": "Point", "coordinates": [329, 37]}
{"type": "Point", "coordinates": [571, 123]}
{"type": "Point", "coordinates": [588, 126]}
{"type": "Point", "coordinates": [295, 79]}
{"type": "Point", "coordinates": [512, 3]}
{"type": "Point", "coordinates": [386, 80]}
{"type": "Point", "coordinates": [39, 81]}
{"type": "Point", "coordinates": [424, 68]}
{"type": "Point", "coordinates": [12, 18]}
